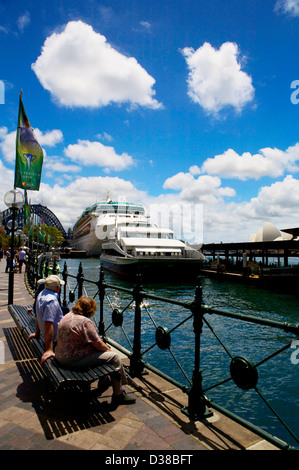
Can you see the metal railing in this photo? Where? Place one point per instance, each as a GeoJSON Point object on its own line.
{"type": "Point", "coordinates": [243, 372]}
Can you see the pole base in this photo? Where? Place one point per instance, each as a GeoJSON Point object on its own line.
{"type": "Point", "coordinates": [199, 415]}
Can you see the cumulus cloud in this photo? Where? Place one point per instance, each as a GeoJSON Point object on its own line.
{"type": "Point", "coordinates": [205, 188]}
{"type": "Point", "coordinates": [6, 182]}
{"type": "Point", "coordinates": [215, 79]}
{"type": "Point", "coordinates": [280, 200]}
{"type": "Point", "coordinates": [8, 144]}
{"type": "Point", "coordinates": [270, 162]}
{"type": "Point", "coordinates": [54, 164]}
{"type": "Point", "coordinates": [91, 72]}
{"type": "Point", "coordinates": [290, 7]}
{"type": "Point", "coordinates": [95, 153]}
{"type": "Point", "coordinates": [49, 138]}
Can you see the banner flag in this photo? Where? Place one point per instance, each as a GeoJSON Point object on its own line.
{"type": "Point", "coordinates": [29, 154]}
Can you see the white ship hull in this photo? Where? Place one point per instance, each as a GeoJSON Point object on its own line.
{"type": "Point", "coordinates": [90, 244]}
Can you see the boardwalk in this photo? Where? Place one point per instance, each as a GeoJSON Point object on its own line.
{"type": "Point", "coordinates": [31, 420]}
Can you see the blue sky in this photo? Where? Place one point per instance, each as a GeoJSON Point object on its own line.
{"type": "Point", "coordinates": [161, 102]}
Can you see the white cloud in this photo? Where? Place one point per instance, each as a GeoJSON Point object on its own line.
{"type": "Point", "coordinates": [270, 162]}
{"type": "Point", "coordinates": [280, 200]}
{"type": "Point", "coordinates": [23, 21]}
{"type": "Point", "coordinates": [49, 138]}
{"type": "Point", "coordinates": [194, 170]}
{"type": "Point", "coordinates": [91, 72]}
{"type": "Point", "coordinates": [290, 7]}
{"type": "Point", "coordinates": [215, 79]}
{"type": "Point", "coordinates": [8, 144]}
{"type": "Point", "coordinates": [178, 181]}
{"type": "Point", "coordinates": [95, 153]}
{"type": "Point", "coordinates": [205, 188]}
{"type": "Point", "coordinates": [104, 136]}
{"type": "Point", "coordinates": [145, 24]}
{"type": "Point", "coordinates": [6, 182]}
{"type": "Point", "coordinates": [56, 165]}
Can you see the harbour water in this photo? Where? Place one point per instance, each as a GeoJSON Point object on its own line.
{"type": "Point", "coordinates": [278, 378]}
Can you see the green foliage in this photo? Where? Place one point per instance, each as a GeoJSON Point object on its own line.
{"type": "Point", "coordinates": [44, 234]}
{"type": "Point", "coordinates": [4, 239]}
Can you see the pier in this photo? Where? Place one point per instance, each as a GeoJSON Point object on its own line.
{"type": "Point", "coordinates": [28, 419]}
{"type": "Point", "coordinates": [281, 250]}
{"type": "Point", "coordinates": [259, 264]}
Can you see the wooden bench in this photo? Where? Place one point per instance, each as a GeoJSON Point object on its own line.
{"type": "Point", "coordinates": [61, 377]}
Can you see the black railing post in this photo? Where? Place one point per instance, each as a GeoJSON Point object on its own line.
{"type": "Point", "coordinates": [36, 273]}
{"type": "Point", "coordinates": [80, 280]}
{"type": "Point", "coordinates": [54, 269]}
{"type": "Point", "coordinates": [197, 402]}
{"type": "Point", "coordinates": [30, 270]}
{"type": "Point", "coordinates": [46, 264]}
{"type": "Point", "coordinates": [136, 365]}
{"type": "Point", "coordinates": [101, 287]}
{"type": "Point", "coordinates": [64, 277]}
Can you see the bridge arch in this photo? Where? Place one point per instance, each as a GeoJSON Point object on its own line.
{"type": "Point", "coordinates": [46, 215]}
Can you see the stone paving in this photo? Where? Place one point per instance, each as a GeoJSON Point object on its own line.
{"type": "Point", "coordinates": [33, 418]}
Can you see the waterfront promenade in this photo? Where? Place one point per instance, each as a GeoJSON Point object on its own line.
{"type": "Point", "coordinates": [30, 420]}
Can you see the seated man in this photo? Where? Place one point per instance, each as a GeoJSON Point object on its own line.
{"type": "Point", "coordinates": [48, 314]}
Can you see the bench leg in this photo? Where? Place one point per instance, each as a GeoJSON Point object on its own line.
{"type": "Point", "coordinates": [103, 385]}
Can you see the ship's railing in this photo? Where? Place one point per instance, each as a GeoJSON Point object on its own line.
{"type": "Point", "coordinates": [243, 372]}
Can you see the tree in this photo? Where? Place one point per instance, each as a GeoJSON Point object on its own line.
{"type": "Point", "coordinates": [44, 234]}
{"type": "Point", "coordinates": [4, 239]}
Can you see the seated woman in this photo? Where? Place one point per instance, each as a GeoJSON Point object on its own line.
{"type": "Point", "coordinates": [80, 345]}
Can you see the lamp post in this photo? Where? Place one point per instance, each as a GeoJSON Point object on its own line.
{"type": "Point", "coordinates": [14, 201]}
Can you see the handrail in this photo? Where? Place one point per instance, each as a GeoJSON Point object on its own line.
{"type": "Point", "coordinates": [243, 373]}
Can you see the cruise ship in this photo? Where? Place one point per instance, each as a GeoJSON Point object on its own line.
{"type": "Point", "coordinates": [94, 225]}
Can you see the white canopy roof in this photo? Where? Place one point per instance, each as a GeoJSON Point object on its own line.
{"type": "Point", "coordinates": [153, 242]}
{"type": "Point", "coordinates": [159, 250]}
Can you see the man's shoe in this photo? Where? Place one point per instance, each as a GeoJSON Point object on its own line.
{"type": "Point", "coordinates": [121, 399]}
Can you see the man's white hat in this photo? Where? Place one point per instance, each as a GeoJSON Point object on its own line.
{"type": "Point", "coordinates": [51, 282]}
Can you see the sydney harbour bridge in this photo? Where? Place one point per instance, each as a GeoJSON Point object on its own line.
{"type": "Point", "coordinates": [41, 215]}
